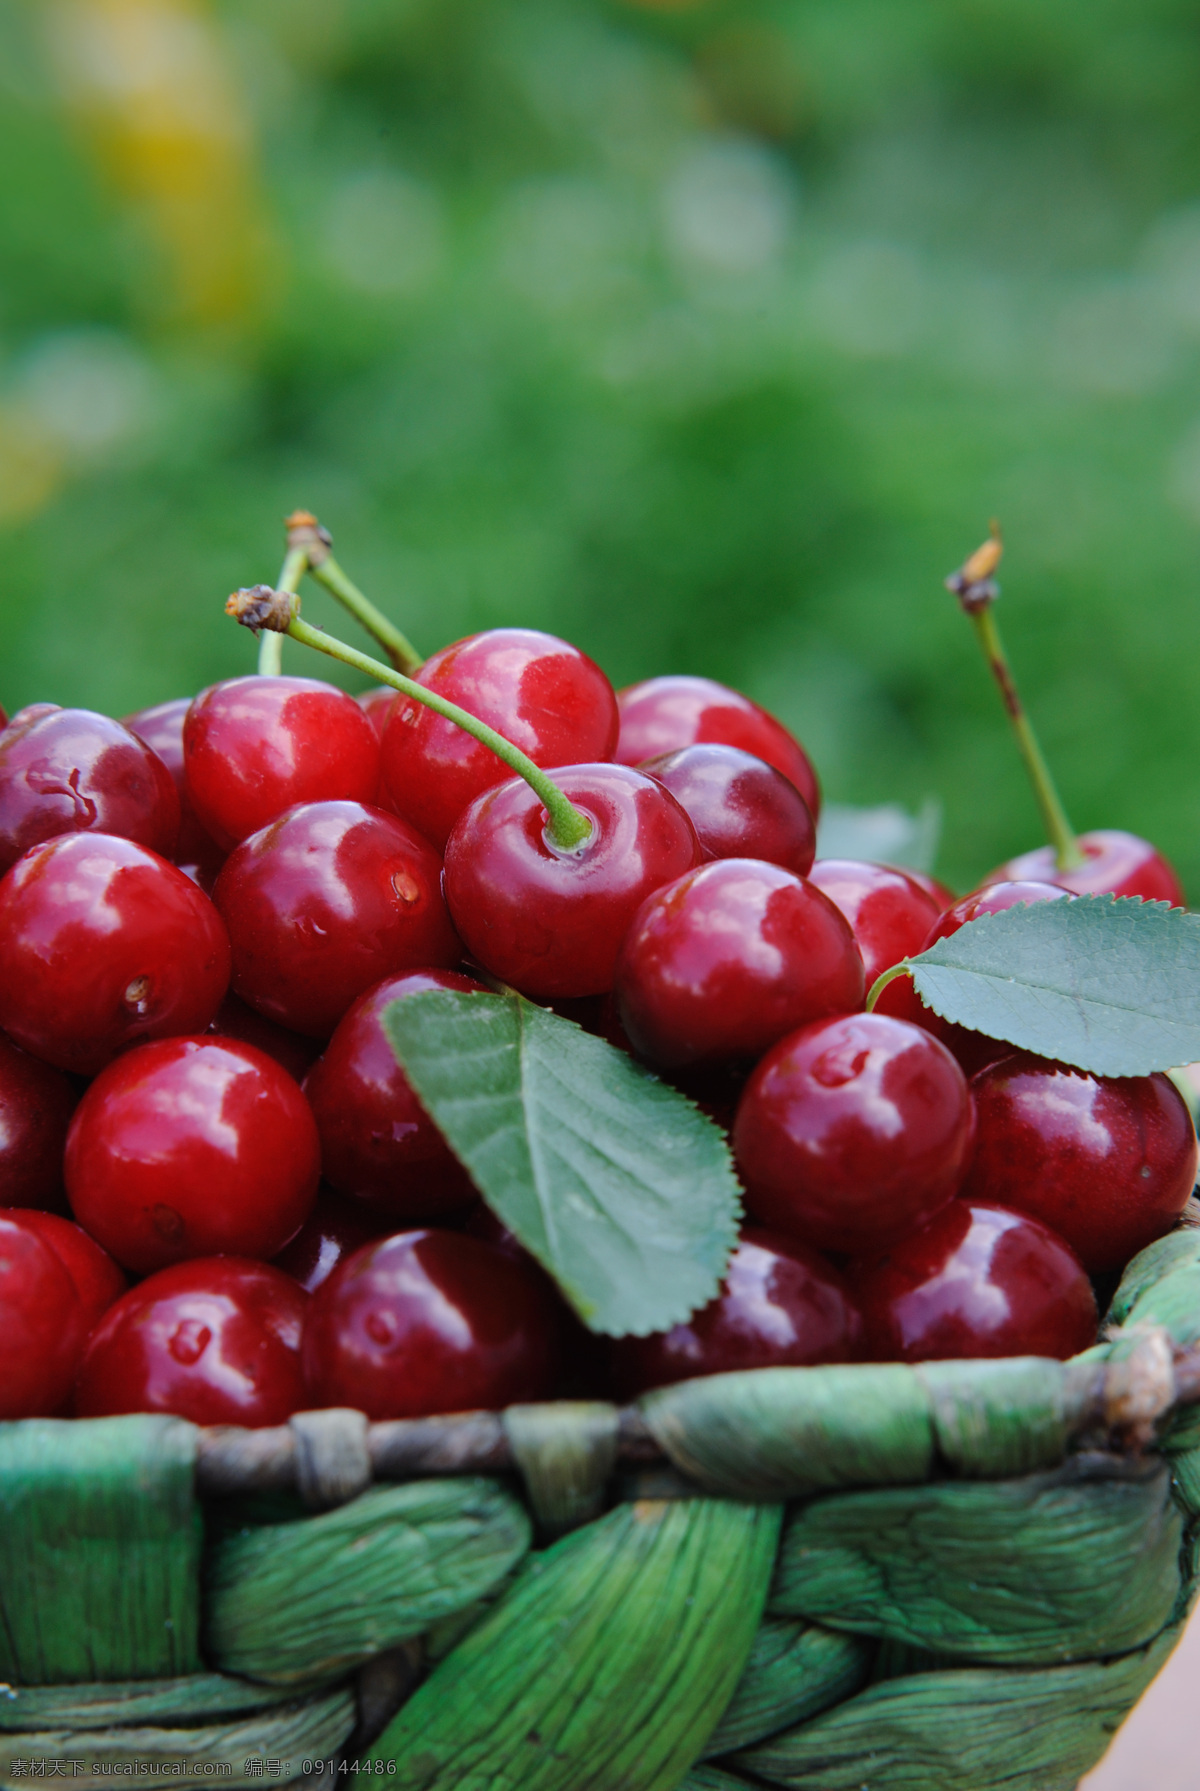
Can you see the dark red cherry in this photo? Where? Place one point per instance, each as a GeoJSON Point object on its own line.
{"type": "Point", "coordinates": [328, 900]}
{"type": "Point", "coordinates": [295, 1053]}
{"type": "Point", "coordinates": [216, 1341]}
{"type": "Point", "coordinates": [376, 705]}
{"type": "Point", "coordinates": [104, 944]}
{"type": "Point", "coordinates": [255, 746]}
{"type": "Point", "coordinates": [939, 892]}
{"type": "Point", "coordinates": [542, 694]}
{"type": "Point", "coordinates": [888, 909]}
{"type": "Point", "coordinates": [551, 922]}
{"type": "Point", "coordinates": [98, 1279]}
{"type": "Point", "coordinates": [3, 717]}
{"type": "Point", "coordinates": [72, 771]}
{"type": "Point", "coordinates": [42, 1326]}
{"type": "Point", "coordinates": [853, 1131]}
{"type": "Point", "coordinates": [333, 1230]}
{"type": "Point", "coordinates": [978, 1280]}
{"type": "Point", "coordinates": [726, 959]}
{"type": "Point", "coordinates": [161, 729]}
{"type": "Point", "coordinates": [740, 806]}
{"type": "Point", "coordinates": [781, 1306]}
{"type": "Point", "coordinates": [430, 1321]}
{"type": "Point", "coordinates": [192, 1147]}
{"type": "Point", "coordinates": [1117, 864]}
{"type": "Point", "coordinates": [1108, 1162]}
{"type": "Point", "coordinates": [36, 1104]}
{"type": "Point", "coordinates": [378, 1144]}
{"type": "Point", "coordinates": [664, 714]}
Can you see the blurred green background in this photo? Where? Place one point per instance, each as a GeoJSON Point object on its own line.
{"type": "Point", "coordinates": [709, 335]}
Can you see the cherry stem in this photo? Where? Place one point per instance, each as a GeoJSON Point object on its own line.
{"type": "Point", "coordinates": [903, 968]}
{"type": "Point", "coordinates": [977, 591]}
{"type": "Point", "coordinates": [567, 827]}
{"type": "Point", "coordinates": [304, 531]}
{"type": "Point", "coordinates": [270, 646]}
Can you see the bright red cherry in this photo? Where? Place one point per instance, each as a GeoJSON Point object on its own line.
{"type": "Point", "coordinates": [103, 944]}
{"type": "Point", "coordinates": [71, 771]}
{"type": "Point", "coordinates": [430, 1321]}
{"type": "Point", "coordinates": [36, 1104]}
{"type": "Point", "coordinates": [192, 1147]}
{"type": "Point", "coordinates": [740, 806]}
{"type": "Point", "coordinates": [1117, 864]}
{"type": "Point", "coordinates": [255, 746]}
{"type": "Point", "coordinates": [295, 1053]}
{"type": "Point", "coordinates": [551, 922]}
{"type": "Point", "coordinates": [853, 1131]}
{"type": "Point", "coordinates": [542, 694]}
{"type": "Point", "coordinates": [888, 909]}
{"type": "Point", "coordinates": [978, 1280]}
{"type": "Point", "coordinates": [216, 1341]}
{"type": "Point", "coordinates": [333, 1230]}
{"type": "Point", "coordinates": [378, 1144]}
{"type": "Point", "coordinates": [161, 729]}
{"type": "Point", "coordinates": [781, 1306]}
{"type": "Point", "coordinates": [376, 705]}
{"type": "Point", "coordinates": [98, 1279]}
{"type": "Point", "coordinates": [663, 714]}
{"type": "Point", "coordinates": [726, 959]}
{"type": "Point", "coordinates": [1108, 1162]}
{"type": "Point", "coordinates": [42, 1327]}
{"type": "Point", "coordinates": [328, 900]}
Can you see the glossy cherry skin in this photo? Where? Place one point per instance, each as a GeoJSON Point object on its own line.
{"type": "Point", "coordinates": [291, 1050]}
{"type": "Point", "coordinates": [161, 729]}
{"type": "Point", "coordinates": [376, 705]}
{"type": "Point", "coordinates": [98, 1279]}
{"type": "Point", "coordinates": [1117, 864]}
{"type": "Point", "coordinates": [216, 1341]}
{"type": "Point", "coordinates": [1108, 1162]}
{"type": "Point", "coordinates": [253, 747]}
{"type": "Point", "coordinates": [542, 694]}
{"type": "Point", "coordinates": [978, 1280]}
{"type": "Point", "coordinates": [104, 944]}
{"type": "Point", "coordinates": [192, 1147]}
{"type": "Point", "coordinates": [333, 1230]}
{"type": "Point", "coordinates": [726, 959]}
{"type": "Point", "coordinates": [72, 771]}
{"type": "Point", "coordinates": [430, 1321]}
{"type": "Point", "coordinates": [662, 715]}
{"type": "Point", "coordinates": [36, 1104]}
{"type": "Point", "coordinates": [853, 1131]}
{"type": "Point", "coordinates": [42, 1326]}
{"type": "Point", "coordinates": [781, 1306]}
{"type": "Point", "coordinates": [328, 900]}
{"type": "Point", "coordinates": [740, 806]}
{"type": "Point", "coordinates": [887, 908]}
{"type": "Point", "coordinates": [551, 922]}
{"type": "Point", "coordinates": [378, 1144]}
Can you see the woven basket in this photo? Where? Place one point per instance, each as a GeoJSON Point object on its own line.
{"type": "Point", "coordinates": [942, 1578]}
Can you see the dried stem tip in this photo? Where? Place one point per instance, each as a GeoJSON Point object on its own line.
{"type": "Point", "coordinates": [262, 606]}
{"type": "Point", "coordinates": [973, 583]}
{"type": "Point", "coordinates": [303, 530]}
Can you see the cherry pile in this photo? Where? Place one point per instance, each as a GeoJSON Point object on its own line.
{"type": "Point", "coordinates": [221, 1197]}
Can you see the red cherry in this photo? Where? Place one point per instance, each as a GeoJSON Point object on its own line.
{"type": "Point", "coordinates": [103, 944]}
{"type": "Point", "coordinates": [36, 1104]}
{"type": "Point", "coordinates": [781, 1305]}
{"type": "Point", "coordinates": [1108, 1162]}
{"type": "Point", "coordinates": [542, 694]}
{"type": "Point", "coordinates": [939, 892]}
{"type": "Point", "coordinates": [551, 922]}
{"type": "Point", "coordinates": [291, 1050]}
{"type": "Point", "coordinates": [378, 1144]}
{"type": "Point", "coordinates": [72, 771]}
{"type": "Point", "coordinates": [3, 717]}
{"type": "Point", "coordinates": [42, 1327]}
{"type": "Point", "coordinates": [97, 1278]}
{"type": "Point", "coordinates": [255, 746]}
{"type": "Point", "coordinates": [376, 705]}
{"type": "Point", "coordinates": [430, 1321]}
{"type": "Point", "coordinates": [1117, 864]}
{"type": "Point", "coordinates": [161, 729]}
{"type": "Point", "coordinates": [888, 909]}
{"type": "Point", "coordinates": [23, 718]}
{"type": "Point", "coordinates": [663, 714]}
{"type": "Point", "coordinates": [216, 1341]}
{"type": "Point", "coordinates": [723, 961]}
{"type": "Point", "coordinates": [192, 1147]}
{"type": "Point", "coordinates": [740, 806]}
{"type": "Point", "coordinates": [976, 1281]}
{"type": "Point", "coordinates": [329, 899]}
{"type": "Point", "coordinates": [853, 1131]}
{"type": "Point", "coordinates": [333, 1230]}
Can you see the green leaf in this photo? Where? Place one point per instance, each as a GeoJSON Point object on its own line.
{"type": "Point", "coordinates": [1109, 984]}
{"type": "Point", "coordinates": [614, 1181]}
